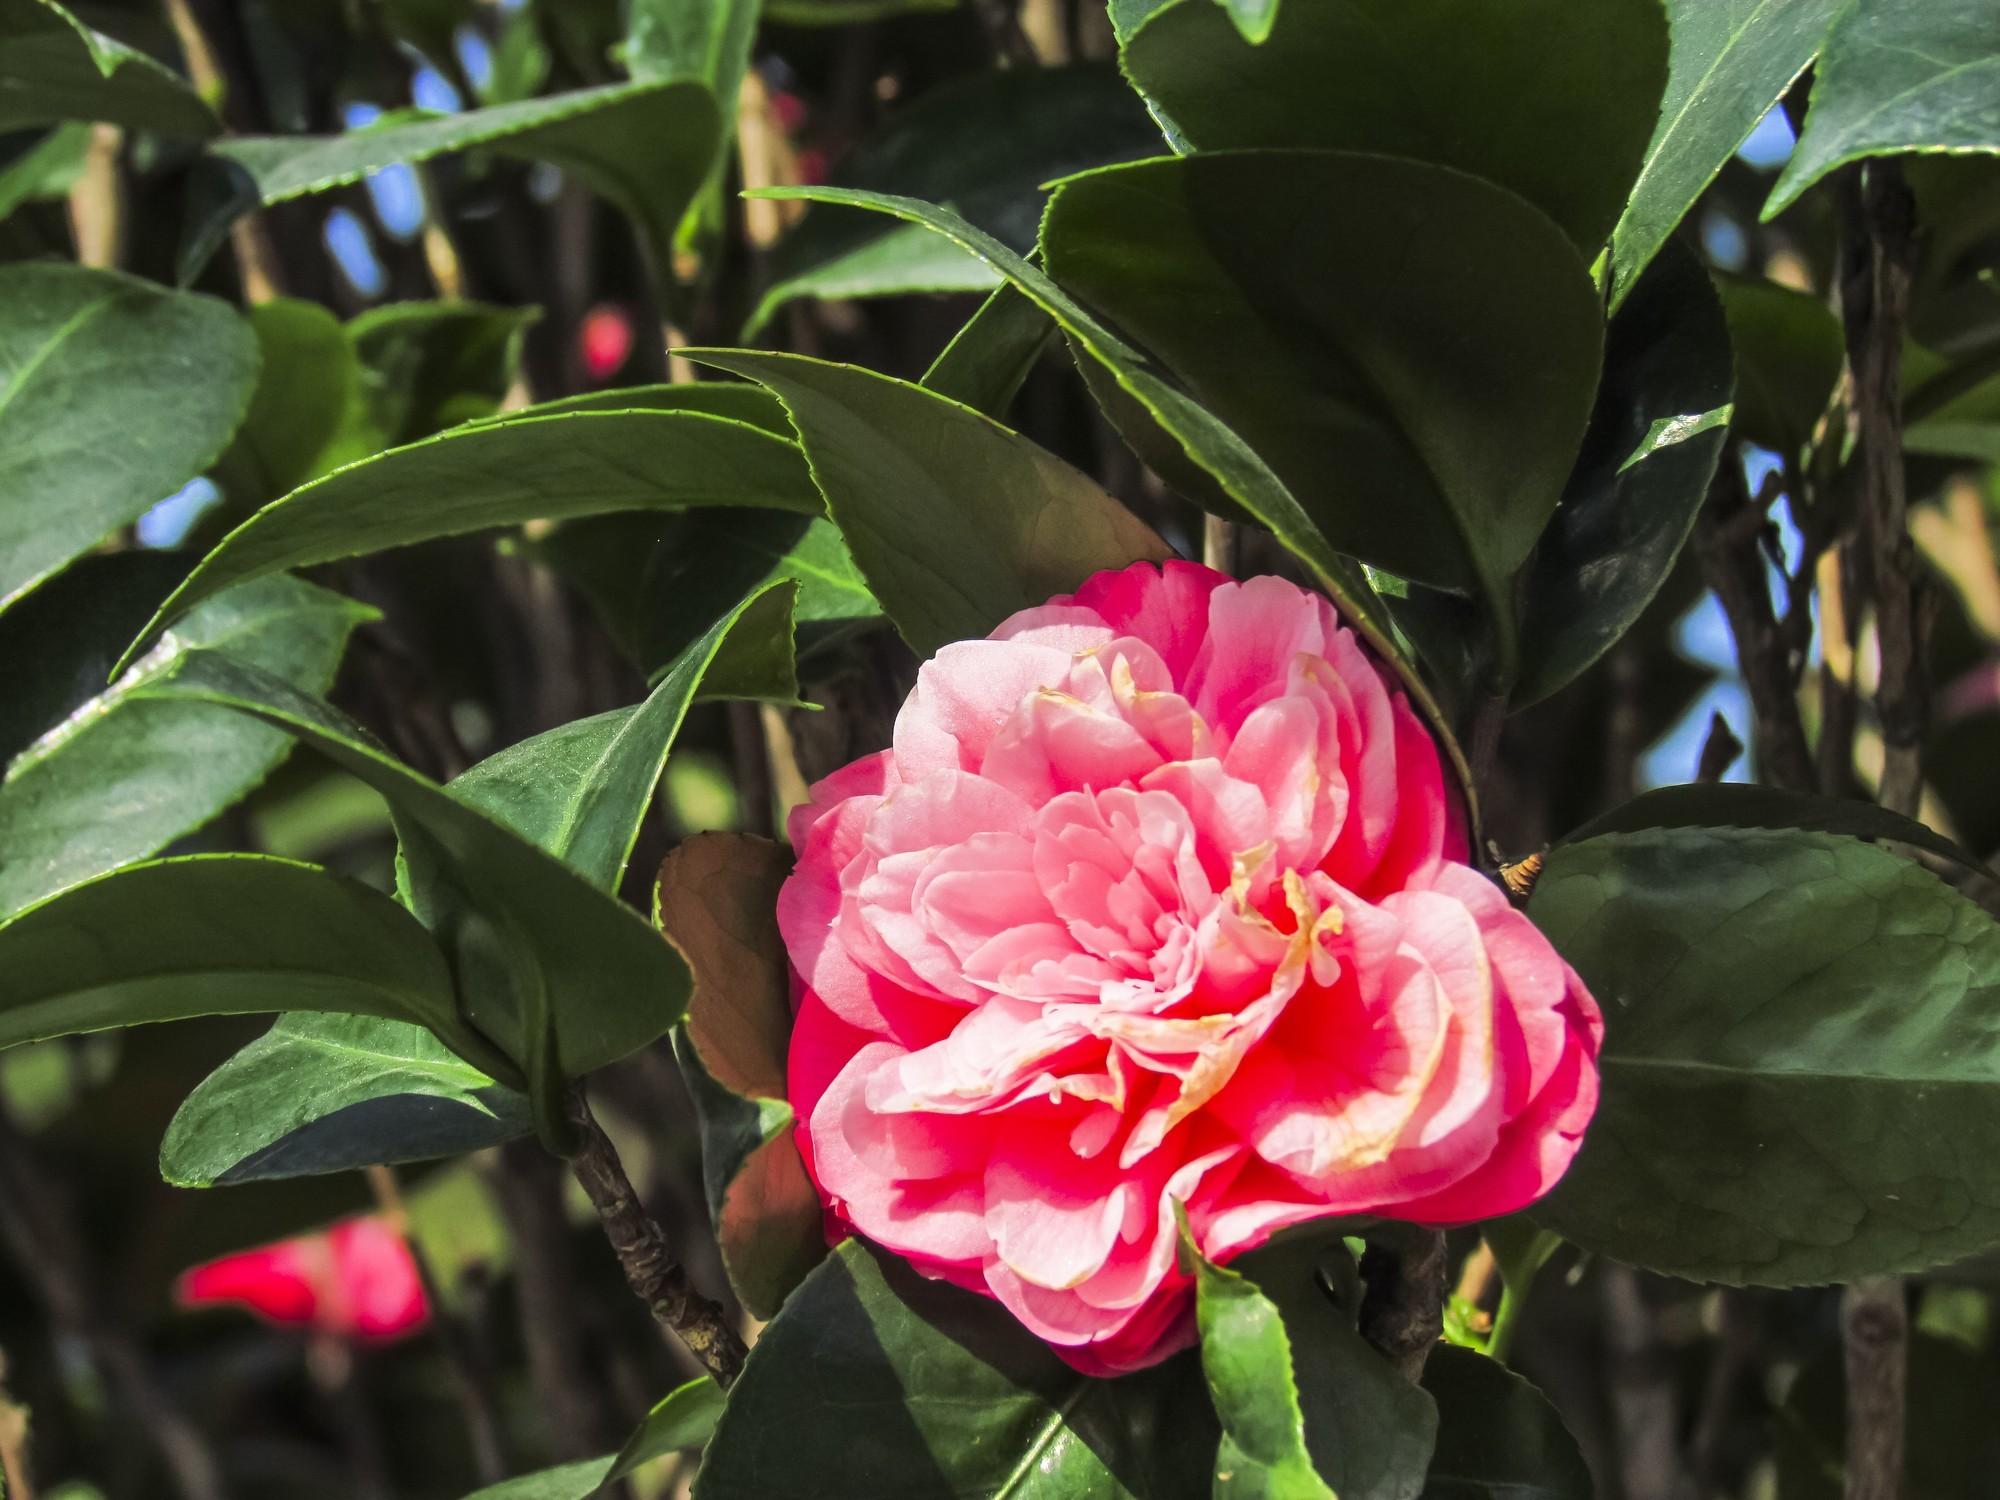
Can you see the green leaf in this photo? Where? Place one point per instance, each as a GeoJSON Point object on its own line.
{"type": "Point", "coordinates": [213, 935]}
{"type": "Point", "coordinates": [888, 1385]}
{"type": "Point", "coordinates": [989, 359]}
{"type": "Point", "coordinates": [1309, 1410]}
{"type": "Point", "coordinates": [1788, 356]}
{"type": "Point", "coordinates": [502, 474]}
{"type": "Point", "coordinates": [113, 394]}
{"type": "Point", "coordinates": [1433, 80]}
{"type": "Point", "coordinates": [1800, 1067]}
{"type": "Point", "coordinates": [102, 776]}
{"type": "Point", "coordinates": [846, 12]}
{"type": "Point", "coordinates": [718, 897]}
{"type": "Point", "coordinates": [989, 146]}
{"type": "Point", "coordinates": [682, 1420]}
{"type": "Point", "coordinates": [46, 169]}
{"type": "Point", "coordinates": [310, 379]}
{"type": "Point", "coordinates": [1422, 394]}
{"type": "Point", "coordinates": [53, 67]}
{"type": "Point", "coordinates": [524, 934]}
{"type": "Point", "coordinates": [1727, 805]}
{"type": "Point", "coordinates": [1661, 421]}
{"type": "Point", "coordinates": [1897, 77]}
{"type": "Point", "coordinates": [717, 398]}
{"type": "Point", "coordinates": [1730, 63]}
{"type": "Point", "coordinates": [426, 366]}
{"type": "Point", "coordinates": [955, 521]}
{"type": "Point", "coordinates": [708, 41]}
{"type": "Point", "coordinates": [1497, 1436]}
{"type": "Point", "coordinates": [658, 580]}
{"type": "Point", "coordinates": [587, 132]}
{"type": "Point", "coordinates": [332, 1093]}
{"type": "Point", "coordinates": [581, 791]}
{"type": "Point", "coordinates": [1190, 428]}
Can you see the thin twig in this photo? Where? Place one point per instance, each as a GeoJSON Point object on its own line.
{"type": "Point", "coordinates": [256, 258]}
{"type": "Point", "coordinates": [656, 1278]}
{"type": "Point", "coordinates": [15, 1480]}
{"type": "Point", "coordinates": [1219, 544]}
{"type": "Point", "coordinates": [1877, 253]}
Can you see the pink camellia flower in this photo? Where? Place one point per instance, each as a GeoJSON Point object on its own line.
{"type": "Point", "coordinates": [355, 1281]}
{"type": "Point", "coordinates": [1159, 895]}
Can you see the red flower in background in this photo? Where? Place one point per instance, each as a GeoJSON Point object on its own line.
{"type": "Point", "coordinates": [357, 1280]}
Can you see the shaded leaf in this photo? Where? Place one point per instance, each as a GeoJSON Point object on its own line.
{"type": "Point", "coordinates": [1730, 62]}
{"type": "Point", "coordinates": [1788, 356]}
{"type": "Point", "coordinates": [989, 146]}
{"type": "Point", "coordinates": [1497, 1436]}
{"type": "Point", "coordinates": [1661, 421]}
{"type": "Point", "coordinates": [114, 393]}
{"type": "Point", "coordinates": [718, 898]}
{"type": "Point", "coordinates": [309, 380]}
{"type": "Point", "coordinates": [1801, 1062]}
{"type": "Point", "coordinates": [1421, 394]}
{"type": "Point", "coordinates": [1208, 442]}
{"type": "Point", "coordinates": [526, 937]}
{"type": "Point", "coordinates": [682, 1420]}
{"type": "Point", "coordinates": [53, 67]}
{"type": "Point", "coordinates": [211, 935]}
{"type": "Point", "coordinates": [426, 366]}
{"type": "Point", "coordinates": [102, 776]}
{"type": "Point", "coordinates": [331, 1093]}
{"type": "Point", "coordinates": [1433, 80]}
{"type": "Point", "coordinates": [955, 521]}
{"type": "Point", "coordinates": [46, 169]}
{"type": "Point", "coordinates": [586, 132]}
{"type": "Point", "coordinates": [888, 1385]}
{"type": "Point", "coordinates": [1309, 1409]}
{"type": "Point", "coordinates": [988, 360]}
{"type": "Point", "coordinates": [502, 474]}
{"type": "Point", "coordinates": [1896, 77]}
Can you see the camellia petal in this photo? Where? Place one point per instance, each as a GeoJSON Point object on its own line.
{"type": "Point", "coordinates": [1160, 899]}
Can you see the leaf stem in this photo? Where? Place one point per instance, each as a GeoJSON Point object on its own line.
{"type": "Point", "coordinates": [656, 1278]}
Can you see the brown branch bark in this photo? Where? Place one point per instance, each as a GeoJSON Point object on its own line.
{"type": "Point", "coordinates": [656, 1278]}
{"type": "Point", "coordinates": [1402, 1302]}
{"type": "Point", "coordinates": [1877, 253]}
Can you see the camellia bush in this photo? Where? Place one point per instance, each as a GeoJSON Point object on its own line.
{"type": "Point", "coordinates": [1024, 749]}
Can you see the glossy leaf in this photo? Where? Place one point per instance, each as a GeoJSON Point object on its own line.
{"type": "Point", "coordinates": [955, 521]}
{"type": "Point", "coordinates": [53, 67]}
{"type": "Point", "coordinates": [717, 903]}
{"type": "Point", "coordinates": [212, 935]}
{"type": "Point", "coordinates": [309, 379]}
{"type": "Point", "coordinates": [331, 1093]}
{"type": "Point", "coordinates": [941, 1395]}
{"type": "Point", "coordinates": [524, 934]}
{"type": "Point", "coordinates": [502, 474]}
{"type": "Point", "coordinates": [1788, 356]}
{"type": "Point", "coordinates": [708, 41]}
{"type": "Point", "coordinates": [682, 1420]}
{"type": "Point", "coordinates": [114, 393]}
{"type": "Point", "coordinates": [1661, 421]}
{"type": "Point", "coordinates": [1191, 428]}
{"type": "Point", "coordinates": [1309, 1410]}
{"type": "Point", "coordinates": [1730, 62]}
{"type": "Point", "coordinates": [991, 357]}
{"type": "Point", "coordinates": [1726, 805]}
{"type": "Point", "coordinates": [581, 791]}
{"type": "Point", "coordinates": [1421, 394]}
{"type": "Point", "coordinates": [658, 580]}
{"type": "Point", "coordinates": [102, 776]}
{"type": "Point", "coordinates": [1434, 80]}
{"type": "Point", "coordinates": [1800, 1067]}
{"type": "Point", "coordinates": [426, 366]}
{"type": "Point", "coordinates": [1497, 1436]}
{"type": "Point", "coordinates": [586, 132]}
{"type": "Point", "coordinates": [1897, 77]}
{"type": "Point", "coordinates": [989, 146]}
